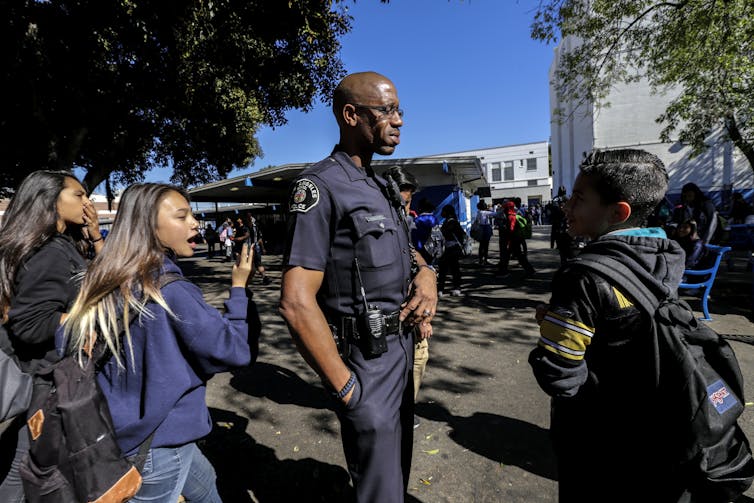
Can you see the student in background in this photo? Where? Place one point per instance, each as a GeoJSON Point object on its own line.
{"type": "Point", "coordinates": [423, 224]}
{"type": "Point", "coordinates": [695, 205]}
{"type": "Point", "coordinates": [450, 259]}
{"type": "Point", "coordinates": [484, 219]}
{"type": "Point", "coordinates": [407, 185]}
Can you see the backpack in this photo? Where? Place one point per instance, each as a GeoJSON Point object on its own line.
{"type": "Point", "coordinates": [476, 228]}
{"type": "Point", "coordinates": [15, 385]}
{"type": "Point", "coordinates": [467, 245]}
{"type": "Point", "coordinates": [73, 454]}
{"type": "Point", "coordinates": [523, 227]}
{"type": "Point", "coordinates": [435, 244]}
{"type": "Point", "coordinates": [698, 376]}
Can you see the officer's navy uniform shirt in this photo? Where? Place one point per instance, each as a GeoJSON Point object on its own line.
{"type": "Point", "coordinates": [338, 212]}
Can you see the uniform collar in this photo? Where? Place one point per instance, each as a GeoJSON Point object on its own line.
{"type": "Point", "coordinates": [353, 171]}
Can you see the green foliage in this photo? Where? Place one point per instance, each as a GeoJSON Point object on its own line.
{"type": "Point", "coordinates": [119, 86]}
{"type": "Point", "coordinates": [701, 50]}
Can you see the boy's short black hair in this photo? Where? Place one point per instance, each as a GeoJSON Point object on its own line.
{"type": "Point", "coordinates": [631, 175]}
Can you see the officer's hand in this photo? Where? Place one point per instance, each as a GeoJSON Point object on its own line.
{"type": "Point", "coordinates": [539, 315]}
{"type": "Point", "coordinates": [243, 267]}
{"type": "Point", "coordinates": [424, 330]}
{"type": "Point", "coordinates": [348, 397]}
{"type": "Point", "coordinates": [422, 301]}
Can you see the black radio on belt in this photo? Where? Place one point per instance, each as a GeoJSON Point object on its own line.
{"type": "Point", "coordinates": [372, 327]}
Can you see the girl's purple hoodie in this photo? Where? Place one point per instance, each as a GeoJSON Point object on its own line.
{"type": "Point", "coordinates": [164, 386]}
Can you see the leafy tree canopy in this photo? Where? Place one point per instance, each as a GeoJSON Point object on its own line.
{"type": "Point", "coordinates": [120, 86]}
{"type": "Point", "coordinates": [702, 49]}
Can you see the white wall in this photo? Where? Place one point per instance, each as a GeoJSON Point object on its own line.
{"type": "Point", "coordinates": [572, 138]}
{"type": "Point", "coordinates": [629, 122]}
{"type": "Point", "coordinates": [518, 154]}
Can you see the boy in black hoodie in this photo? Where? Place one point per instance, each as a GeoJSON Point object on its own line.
{"type": "Point", "coordinates": [595, 356]}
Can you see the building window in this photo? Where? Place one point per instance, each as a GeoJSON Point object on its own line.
{"type": "Point", "coordinates": [508, 174]}
{"type": "Point", "coordinates": [531, 164]}
{"type": "Point", "coordinates": [495, 171]}
{"type": "Point", "coordinates": [531, 183]}
{"type": "Point", "coordinates": [520, 163]}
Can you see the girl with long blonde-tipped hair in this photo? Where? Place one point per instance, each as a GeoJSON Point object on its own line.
{"type": "Point", "coordinates": [172, 341]}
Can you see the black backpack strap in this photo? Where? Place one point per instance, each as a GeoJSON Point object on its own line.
{"type": "Point", "coordinates": [140, 457]}
{"type": "Point", "coordinates": [620, 275]}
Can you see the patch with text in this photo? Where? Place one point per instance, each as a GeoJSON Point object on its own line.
{"type": "Point", "coordinates": [720, 397]}
{"type": "Point", "coordinates": [304, 196]}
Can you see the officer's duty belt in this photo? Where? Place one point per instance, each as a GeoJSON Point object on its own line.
{"type": "Point", "coordinates": [350, 326]}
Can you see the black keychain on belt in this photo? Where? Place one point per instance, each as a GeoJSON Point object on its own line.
{"type": "Point", "coordinates": [372, 329]}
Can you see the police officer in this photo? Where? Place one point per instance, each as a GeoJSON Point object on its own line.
{"type": "Point", "coordinates": [350, 272]}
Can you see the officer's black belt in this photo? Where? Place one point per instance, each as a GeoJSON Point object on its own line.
{"type": "Point", "coordinates": [351, 327]}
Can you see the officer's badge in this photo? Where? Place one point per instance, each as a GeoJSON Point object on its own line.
{"type": "Point", "coordinates": [304, 196]}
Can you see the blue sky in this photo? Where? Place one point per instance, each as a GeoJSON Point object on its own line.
{"type": "Point", "coordinates": [468, 76]}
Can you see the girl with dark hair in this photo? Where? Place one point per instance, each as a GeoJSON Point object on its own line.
{"type": "Point", "coordinates": [449, 261]}
{"type": "Point", "coordinates": [696, 206]}
{"type": "Point", "coordinates": [687, 236]}
{"type": "Point", "coordinates": [49, 225]}
{"type": "Point", "coordinates": [172, 341]}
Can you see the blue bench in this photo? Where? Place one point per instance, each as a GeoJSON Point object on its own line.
{"type": "Point", "coordinates": [709, 274]}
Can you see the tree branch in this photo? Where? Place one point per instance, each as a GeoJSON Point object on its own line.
{"type": "Point", "coordinates": [738, 140]}
{"type": "Point", "coordinates": [631, 25]}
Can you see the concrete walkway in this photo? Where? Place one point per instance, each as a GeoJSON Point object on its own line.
{"type": "Point", "coordinates": [484, 422]}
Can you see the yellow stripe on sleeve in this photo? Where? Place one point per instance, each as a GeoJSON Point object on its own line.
{"type": "Point", "coordinates": [564, 336]}
{"type": "Point", "coordinates": [570, 321]}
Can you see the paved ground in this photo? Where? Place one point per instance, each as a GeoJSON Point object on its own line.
{"type": "Point", "coordinates": [483, 435]}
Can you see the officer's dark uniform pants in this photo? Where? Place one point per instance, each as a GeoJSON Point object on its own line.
{"type": "Point", "coordinates": [377, 424]}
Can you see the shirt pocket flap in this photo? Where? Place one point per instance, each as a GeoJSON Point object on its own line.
{"type": "Point", "coordinates": [374, 224]}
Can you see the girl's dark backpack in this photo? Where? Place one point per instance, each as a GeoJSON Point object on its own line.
{"type": "Point", "coordinates": [73, 453]}
{"type": "Point", "coordinates": [15, 384]}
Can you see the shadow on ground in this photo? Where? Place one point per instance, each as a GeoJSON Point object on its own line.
{"type": "Point", "coordinates": [251, 472]}
{"type": "Point", "coordinates": [279, 385]}
{"type": "Point", "coordinates": [502, 439]}
{"type": "Point", "coordinates": [243, 465]}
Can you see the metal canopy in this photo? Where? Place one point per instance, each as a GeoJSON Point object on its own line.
{"type": "Point", "coordinates": [270, 185]}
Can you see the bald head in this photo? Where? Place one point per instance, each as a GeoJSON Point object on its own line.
{"type": "Point", "coordinates": [369, 117]}
{"type": "Point", "coordinates": [356, 88]}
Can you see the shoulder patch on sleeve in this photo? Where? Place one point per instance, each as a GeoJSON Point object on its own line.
{"type": "Point", "coordinates": [304, 196]}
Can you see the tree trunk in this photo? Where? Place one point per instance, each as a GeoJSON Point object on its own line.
{"type": "Point", "coordinates": [66, 151]}
{"type": "Point", "coordinates": [109, 194]}
{"type": "Point", "coordinates": [739, 141]}
{"type": "Point", "coordinates": [94, 177]}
